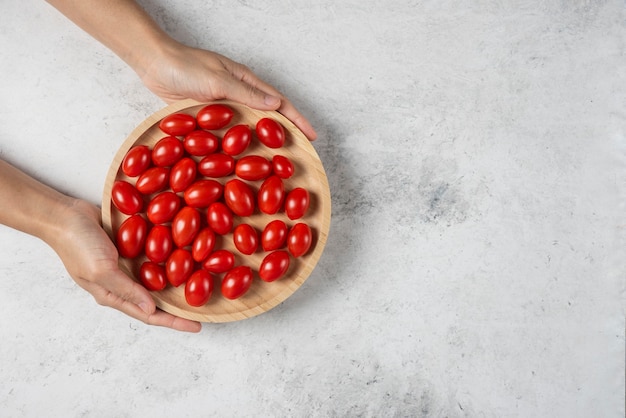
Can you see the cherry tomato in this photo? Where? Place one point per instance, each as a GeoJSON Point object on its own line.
{"type": "Point", "coordinates": [246, 238]}
{"type": "Point", "coordinates": [136, 161]}
{"type": "Point", "coordinates": [182, 174]}
{"type": "Point", "coordinates": [271, 195]}
{"type": "Point", "coordinates": [199, 288]}
{"type": "Point", "coordinates": [282, 166]}
{"type": "Point", "coordinates": [178, 124]}
{"type": "Point", "coordinates": [216, 165]}
{"type": "Point", "coordinates": [274, 235]}
{"type": "Point", "coordinates": [163, 207]}
{"type": "Point", "coordinates": [167, 151]}
{"type": "Point", "coordinates": [253, 167]}
{"type": "Point", "coordinates": [219, 262]}
{"type": "Point", "coordinates": [178, 267]}
{"type": "Point", "coordinates": [152, 276]}
{"type": "Point", "coordinates": [274, 266]}
{"type": "Point", "coordinates": [214, 116]}
{"type": "Point", "coordinates": [239, 197]}
{"type": "Point", "coordinates": [202, 193]}
{"type": "Point", "coordinates": [159, 243]}
{"type": "Point", "coordinates": [153, 180]}
{"type": "Point", "coordinates": [236, 139]}
{"type": "Point", "coordinates": [126, 198]}
{"type": "Point", "coordinates": [237, 282]}
{"type": "Point", "coordinates": [200, 143]}
{"type": "Point", "coordinates": [297, 203]}
{"type": "Point", "coordinates": [203, 244]}
{"type": "Point", "coordinates": [220, 218]}
{"type": "Point", "coordinates": [185, 226]}
{"type": "Point", "coordinates": [270, 133]}
{"type": "Point", "coordinates": [299, 239]}
{"type": "Point", "coordinates": [131, 236]}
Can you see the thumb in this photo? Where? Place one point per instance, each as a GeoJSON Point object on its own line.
{"type": "Point", "coordinates": [251, 96]}
{"type": "Point", "coordinates": [123, 292]}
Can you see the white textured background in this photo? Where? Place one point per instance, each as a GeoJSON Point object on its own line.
{"type": "Point", "coordinates": [476, 153]}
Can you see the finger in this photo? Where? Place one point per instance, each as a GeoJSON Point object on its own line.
{"type": "Point", "coordinates": [290, 112]}
{"type": "Point", "coordinates": [164, 319]}
{"type": "Point", "coordinates": [126, 289]}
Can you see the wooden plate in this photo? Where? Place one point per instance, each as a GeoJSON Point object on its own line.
{"type": "Point", "coordinates": [262, 296]}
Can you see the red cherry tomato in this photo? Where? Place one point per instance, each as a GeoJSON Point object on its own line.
{"type": "Point", "coordinates": [167, 151]}
{"type": "Point", "coordinates": [131, 236]}
{"type": "Point", "coordinates": [153, 180]}
{"type": "Point", "coordinates": [182, 174]}
{"type": "Point", "coordinates": [253, 168]}
{"type": "Point", "coordinates": [185, 226]}
{"type": "Point", "coordinates": [216, 165]}
{"type": "Point", "coordinates": [199, 288]}
{"type": "Point", "coordinates": [271, 195]}
{"type": "Point", "coordinates": [159, 243]}
{"type": "Point", "coordinates": [152, 276]}
{"type": "Point", "coordinates": [136, 161]}
{"type": "Point", "coordinates": [237, 282]}
{"type": "Point", "coordinates": [274, 235]}
{"type": "Point", "coordinates": [236, 139]}
{"type": "Point", "coordinates": [220, 261]}
{"type": "Point", "coordinates": [274, 266]}
{"type": "Point", "coordinates": [270, 133]}
{"type": "Point", "coordinates": [203, 192]}
{"type": "Point", "coordinates": [297, 203]}
{"type": "Point", "coordinates": [220, 218]}
{"type": "Point", "coordinates": [299, 239]}
{"type": "Point", "coordinates": [126, 198]}
{"type": "Point", "coordinates": [178, 267]}
{"type": "Point", "coordinates": [214, 116]}
{"type": "Point", "coordinates": [246, 238]}
{"type": "Point", "coordinates": [178, 124]}
{"type": "Point", "coordinates": [163, 207]}
{"type": "Point", "coordinates": [282, 166]}
{"type": "Point", "coordinates": [203, 244]}
{"type": "Point", "coordinates": [239, 197]}
{"type": "Point", "coordinates": [200, 143]}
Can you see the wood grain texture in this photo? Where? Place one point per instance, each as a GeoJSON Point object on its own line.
{"type": "Point", "coordinates": [262, 296]}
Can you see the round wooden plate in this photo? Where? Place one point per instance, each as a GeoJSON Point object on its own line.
{"type": "Point", "coordinates": [262, 296]}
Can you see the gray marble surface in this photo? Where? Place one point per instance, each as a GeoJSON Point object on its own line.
{"type": "Point", "coordinates": [476, 156]}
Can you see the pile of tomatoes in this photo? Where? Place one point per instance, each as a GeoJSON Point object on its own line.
{"type": "Point", "coordinates": [192, 190]}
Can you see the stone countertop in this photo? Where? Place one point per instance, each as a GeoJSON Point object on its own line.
{"type": "Point", "coordinates": [475, 266]}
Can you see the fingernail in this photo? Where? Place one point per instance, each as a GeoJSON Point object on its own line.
{"type": "Point", "coordinates": [271, 100]}
{"type": "Point", "coordinates": [144, 307]}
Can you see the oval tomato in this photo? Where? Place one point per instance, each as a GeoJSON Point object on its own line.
{"type": "Point", "coordinates": [126, 198]}
{"type": "Point", "coordinates": [131, 236]}
{"type": "Point", "coordinates": [274, 266]}
{"type": "Point", "coordinates": [182, 174]}
{"type": "Point", "coordinates": [237, 282]}
{"type": "Point", "coordinates": [270, 133]}
{"type": "Point", "coordinates": [246, 239]}
{"type": "Point", "coordinates": [185, 226]}
{"type": "Point", "coordinates": [153, 180]}
{"type": "Point", "coordinates": [220, 218]}
{"type": "Point", "coordinates": [216, 165]}
{"type": "Point", "coordinates": [239, 197]}
{"type": "Point", "coordinates": [202, 193]}
{"type": "Point", "coordinates": [271, 195]}
{"type": "Point", "coordinates": [178, 267]}
{"type": "Point", "coordinates": [163, 207]}
{"type": "Point", "coordinates": [200, 143]}
{"type": "Point", "coordinates": [203, 244]}
{"type": "Point", "coordinates": [178, 124]}
{"type": "Point", "coordinates": [167, 151]}
{"type": "Point", "coordinates": [159, 243]}
{"type": "Point", "coordinates": [214, 116]}
{"type": "Point", "coordinates": [297, 203]}
{"type": "Point", "coordinates": [136, 161]}
{"type": "Point", "coordinates": [219, 262]}
{"type": "Point", "coordinates": [282, 166]}
{"type": "Point", "coordinates": [152, 276]}
{"type": "Point", "coordinates": [199, 288]}
{"type": "Point", "coordinates": [236, 139]}
{"type": "Point", "coordinates": [299, 239]}
{"type": "Point", "coordinates": [253, 168]}
{"type": "Point", "coordinates": [274, 235]}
